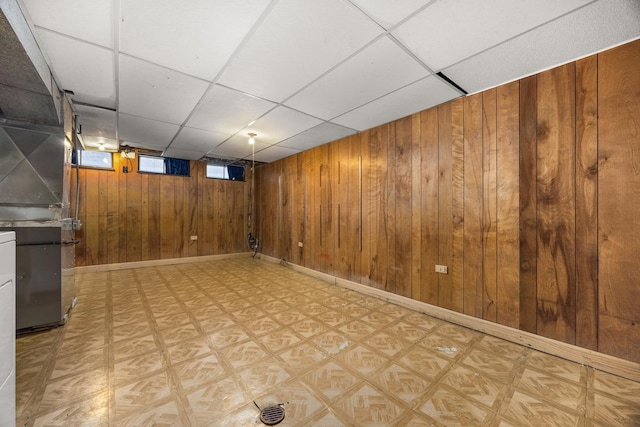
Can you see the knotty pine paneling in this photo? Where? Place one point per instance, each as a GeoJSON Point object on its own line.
{"type": "Point", "coordinates": [489, 206]}
{"type": "Point", "coordinates": [472, 204]}
{"type": "Point", "coordinates": [402, 168]}
{"type": "Point", "coordinates": [618, 201]}
{"type": "Point", "coordinates": [555, 183]}
{"type": "Point", "coordinates": [136, 217]}
{"type": "Point", "coordinates": [587, 203]}
{"type": "Point", "coordinates": [528, 192]}
{"type": "Point", "coordinates": [354, 211]}
{"type": "Point", "coordinates": [528, 203]}
{"type": "Point", "coordinates": [445, 203]}
{"type": "Point", "coordinates": [508, 207]}
{"type": "Point", "coordinates": [429, 179]}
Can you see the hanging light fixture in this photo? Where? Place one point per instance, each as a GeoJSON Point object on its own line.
{"type": "Point", "coordinates": [101, 146]}
{"type": "Point", "coordinates": [252, 140]}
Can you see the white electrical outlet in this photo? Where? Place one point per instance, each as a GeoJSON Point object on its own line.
{"type": "Point", "coordinates": [441, 269]}
{"type": "Point", "coordinates": [300, 244]}
{"type": "Point", "coordinates": [194, 237]}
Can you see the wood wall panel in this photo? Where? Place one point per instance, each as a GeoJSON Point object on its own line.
{"type": "Point", "coordinates": [103, 233]}
{"type": "Point", "coordinates": [390, 217]}
{"type": "Point", "coordinates": [429, 180]}
{"type": "Point", "coordinates": [367, 210]}
{"type": "Point", "coordinates": [402, 167]}
{"type": "Point", "coordinates": [586, 203]}
{"type": "Point", "coordinates": [328, 224]}
{"type": "Point", "coordinates": [472, 264]}
{"type": "Point", "coordinates": [445, 203]}
{"type": "Point", "coordinates": [457, 206]}
{"type": "Point", "coordinates": [556, 203]}
{"type": "Point", "coordinates": [353, 237]}
{"type": "Point", "coordinates": [91, 225]}
{"type": "Point", "coordinates": [378, 142]}
{"type": "Point", "coordinates": [504, 188]}
{"type": "Point", "coordinates": [619, 201]}
{"type": "Point", "coordinates": [113, 214]}
{"type": "Point", "coordinates": [508, 205]}
{"type": "Point", "coordinates": [340, 159]}
{"type": "Point", "coordinates": [416, 205]}
{"type": "Point", "coordinates": [528, 205]}
{"type": "Point", "coordinates": [489, 206]}
{"type": "Point", "coordinates": [135, 217]}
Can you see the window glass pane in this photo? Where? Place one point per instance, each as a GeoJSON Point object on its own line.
{"type": "Point", "coordinates": [96, 159]}
{"type": "Point", "coordinates": [176, 166]}
{"type": "Point", "coordinates": [150, 164]}
{"type": "Point", "coordinates": [217, 171]}
{"type": "Point", "coordinates": [236, 173]}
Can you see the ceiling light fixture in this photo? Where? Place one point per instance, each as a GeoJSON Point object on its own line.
{"type": "Point", "coordinates": [252, 140]}
{"type": "Point", "coordinates": [101, 146]}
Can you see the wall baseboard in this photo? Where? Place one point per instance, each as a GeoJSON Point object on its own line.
{"type": "Point", "coordinates": [603, 362]}
{"type": "Point", "coordinates": [157, 262]}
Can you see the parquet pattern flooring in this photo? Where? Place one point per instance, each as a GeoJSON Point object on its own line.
{"type": "Point", "coordinates": [197, 344]}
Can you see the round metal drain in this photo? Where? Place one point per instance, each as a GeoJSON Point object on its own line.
{"type": "Point", "coordinates": [272, 415]}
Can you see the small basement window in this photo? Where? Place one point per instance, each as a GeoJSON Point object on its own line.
{"type": "Point", "coordinates": [163, 165]}
{"type": "Point", "coordinates": [150, 164]}
{"type": "Point", "coordinates": [95, 159]}
{"type": "Point", "coordinates": [229, 172]}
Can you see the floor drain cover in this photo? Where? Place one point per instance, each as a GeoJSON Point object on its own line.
{"type": "Point", "coordinates": [272, 415]}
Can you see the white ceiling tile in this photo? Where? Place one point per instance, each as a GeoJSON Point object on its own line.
{"type": "Point", "coordinates": [177, 153]}
{"type": "Point", "coordinates": [151, 91]}
{"type": "Point", "coordinates": [197, 38]}
{"type": "Point", "coordinates": [236, 147]}
{"type": "Point", "coordinates": [593, 28]}
{"type": "Point", "coordinates": [297, 42]}
{"type": "Point", "coordinates": [419, 96]}
{"type": "Point", "coordinates": [90, 20]}
{"type": "Point", "coordinates": [379, 69]}
{"type": "Point", "coordinates": [281, 123]}
{"type": "Point", "coordinates": [96, 121]}
{"type": "Point", "coordinates": [151, 133]}
{"type": "Point", "coordinates": [95, 142]}
{"type": "Point", "coordinates": [84, 68]}
{"type": "Point", "coordinates": [321, 134]}
{"type": "Point", "coordinates": [388, 13]}
{"type": "Point", "coordinates": [273, 153]}
{"type": "Point", "coordinates": [197, 139]}
{"type": "Point", "coordinates": [449, 31]}
{"type": "Point", "coordinates": [227, 111]}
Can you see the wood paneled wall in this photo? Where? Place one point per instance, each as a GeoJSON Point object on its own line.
{"type": "Point", "coordinates": [529, 193]}
{"type": "Point", "coordinates": [137, 217]}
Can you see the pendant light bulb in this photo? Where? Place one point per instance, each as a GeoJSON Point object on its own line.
{"type": "Point", "coordinates": [251, 138]}
{"type": "Point", "coordinates": [101, 146]}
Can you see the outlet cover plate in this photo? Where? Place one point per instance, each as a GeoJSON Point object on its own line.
{"type": "Point", "coordinates": [441, 269]}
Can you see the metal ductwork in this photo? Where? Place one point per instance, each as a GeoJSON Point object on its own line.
{"type": "Point", "coordinates": [35, 168]}
{"type": "Point", "coordinates": [27, 90]}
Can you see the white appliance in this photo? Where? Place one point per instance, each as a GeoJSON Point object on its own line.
{"type": "Point", "coordinates": [7, 328]}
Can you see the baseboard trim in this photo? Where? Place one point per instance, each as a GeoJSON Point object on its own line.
{"type": "Point", "coordinates": [603, 362]}
{"type": "Point", "coordinates": [157, 262]}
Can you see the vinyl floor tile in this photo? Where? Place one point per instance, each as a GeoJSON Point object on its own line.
{"type": "Point", "coordinates": [196, 344]}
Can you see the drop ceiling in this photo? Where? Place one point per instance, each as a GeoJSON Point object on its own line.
{"type": "Point", "coordinates": [192, 79]}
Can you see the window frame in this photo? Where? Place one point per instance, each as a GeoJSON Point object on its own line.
{"type": "Point", "coordinates": [165, 161]}
{"type": "Point", "coordinates": [225, 172]}
{"type": "Point", "coordinates": [151, 156]}
{"type": "Point", "coordinates": [95, 166]}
